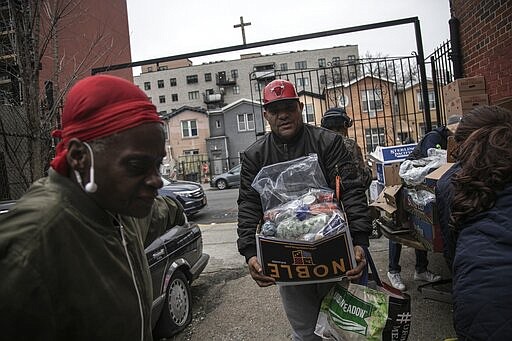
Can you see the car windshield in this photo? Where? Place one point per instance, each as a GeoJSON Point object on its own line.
{"type": "Point", "coordinates": [235, 169]}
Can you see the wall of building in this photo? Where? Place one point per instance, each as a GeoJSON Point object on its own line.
{"type": "Point", "coordinates": [95, 33]}
{"type": "Point", "coordinates": [244, 68]}
{"type": "Point", "coordinates": [178, 143]}
{"type": "Point", "coordinates": [238, 141]}
{"type": "Point", "coordinates": [486, 43]}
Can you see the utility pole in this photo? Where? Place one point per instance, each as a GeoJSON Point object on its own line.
{"type": "Point", "coordinates": [242, 26]}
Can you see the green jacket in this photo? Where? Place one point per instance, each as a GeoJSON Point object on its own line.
{"type": "Point", "coordinates": [64, 274]}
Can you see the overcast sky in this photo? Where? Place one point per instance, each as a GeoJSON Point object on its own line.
{"type": "Point", "coordinates": [160, 28]}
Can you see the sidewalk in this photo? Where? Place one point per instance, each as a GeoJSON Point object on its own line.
{"type": "Point", "coordinates": [239, 310]}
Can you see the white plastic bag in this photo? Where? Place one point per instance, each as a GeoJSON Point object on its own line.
{"type": "Point", "coordinates": [413, 172]}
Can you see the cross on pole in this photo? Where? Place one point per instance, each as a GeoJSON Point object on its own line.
{"type": "Point", "coordinates": [242, 26]}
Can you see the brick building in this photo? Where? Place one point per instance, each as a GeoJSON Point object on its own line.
{"type": "Point", "coordinates": [486, 44]}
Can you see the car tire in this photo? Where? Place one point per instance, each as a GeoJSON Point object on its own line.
{"type": "Point", "coordinates": [177, 311]}
{"type": "Point", "coordinates": [221, 184]}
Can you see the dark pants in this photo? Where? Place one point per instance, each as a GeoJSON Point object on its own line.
{"type": "Point", "coordinates": [395, 249]}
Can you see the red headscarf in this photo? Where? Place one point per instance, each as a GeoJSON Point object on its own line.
{"type": "Point", "coordinates": [99, 106]}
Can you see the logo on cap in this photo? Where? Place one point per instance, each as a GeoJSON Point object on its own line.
{"type": "Point", "coordinates": [278, 90]}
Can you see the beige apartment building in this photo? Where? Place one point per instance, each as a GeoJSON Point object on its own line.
{"type": "Point", "coordinates": [175, 84]}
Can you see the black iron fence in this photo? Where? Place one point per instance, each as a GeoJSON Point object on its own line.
{"type": "Point", "coordinates": [200, 168]}
{"type": "Point", "coordinates": [383, 96]}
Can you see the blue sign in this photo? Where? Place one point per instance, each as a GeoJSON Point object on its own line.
{"type": "Point", "coordinates": [397, 153]}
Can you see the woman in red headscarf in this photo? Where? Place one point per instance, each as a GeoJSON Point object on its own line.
{"type": "Point", "coordinates": [73, 264]}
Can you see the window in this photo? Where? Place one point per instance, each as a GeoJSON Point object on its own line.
{"type": "Point", "coordinates": [147, 86]}
{"type": "Point", "coordinates": [236, 89]}
{"type": "Point", "coordinates": [208, 77]}
{"type": "Point", "coordinates": [371, 101]}
{"type": "Point", "coordinates": [308, 113]}
{"type": "Point", "coordinates": [161, 99]}
{"type": "Point", "coordinates": [423, 129]}
{"type": "Point", "coordinates": [323, 79]}
{"type": "Point", "coordinates": [284, 67]}
{"type": "Point", "coordinates": [217, 124]}
{"type": "Point", "coordinates": [403, 136]}
{"type": "Point", "coordinates": [245, 122]}
{"type": "Point", "coordinates": [374, 137]}
{"type": "Point", "coordinates": [234, 74]}
{"type": "Point", "coordinates": [173, 81]}
{"type": "Point", "coordinates": [336, 76]}
{"type": "Point", "coordinates": [191, 152]}
{"type": "Point", "coordinates": [160, 83]}
{"type": "Point", "coordinates": [352, 75]}
{"type": "Point", "coordinates": [193, 95]}
{"type": "Point", "coordinates": [302, 81]}
{"type": "Point", "coordinates": [321, 62]}
{"type": "Point", "coordinates": [192, 79]}
{"type": "Point", "coordinates": [150, 69]}
{"type": "Point", "coordinates": [162, 68]}
{"type": "Point", "coordinates": [174, 97]}
{"type": "Point", "coordinates": [431, 99]}
{"type": "Point", "coordinates": [351, 58]}
{"type": "Point", "coordinates": [335, 61]}
{"type": "Point", "coordinates": [301, 65]}
{"type": "Point", "coordinates": [189, 128]}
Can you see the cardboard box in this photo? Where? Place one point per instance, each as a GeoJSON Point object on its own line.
{"type": "Point", "coordinates": [392, 195]}
{"type": "Point", "coordinates": [429, 235]}
{"type": "Point", "coordinates": [464, 104]}
{"type": "Point", "coordinates": [430, 182]}
{"type": "Point", "coordinates": [431, 178]}
{"type": "Point", "coordinates": [464, 87]}
{"type": "Point", "coordinates": [301, 262]}
{"type": "Point", "coordinates": [388, 174]}
{"type": "Point", "coordinates": [426, 212]}
{"type": "Point", "coordinates": [392, 154]}
{"type": "Point", "coordinates": [374, 190]}
{"type": "Point", "coordinates": [450, 149]}
{"type": "Point", "coordinates": [394, 214]}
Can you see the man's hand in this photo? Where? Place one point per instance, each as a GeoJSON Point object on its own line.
{"type": "Point", "coordinates": [257, 273]}
{"type": "Point", "coordinates": [357, 272]}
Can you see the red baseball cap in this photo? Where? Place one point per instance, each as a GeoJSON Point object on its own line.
{"type": "Point", "coordinates": [279, 90]}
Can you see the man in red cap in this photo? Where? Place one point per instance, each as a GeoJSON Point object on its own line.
{"type": "Point", "coordinates": [73, 264]}
{"type": "Point", "coordinates": [289, 139]}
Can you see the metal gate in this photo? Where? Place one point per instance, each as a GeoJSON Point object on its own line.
{"type": "Point", "coordinates": [383, 96]}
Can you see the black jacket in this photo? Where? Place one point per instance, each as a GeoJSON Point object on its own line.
{"type": "Point", "coordinates": [437, 138]}
{"type": "Point", "coordinates": [333, 158]}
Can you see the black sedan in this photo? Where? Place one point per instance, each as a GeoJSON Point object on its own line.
{"type": "Point", "coordinates": [175, 259]}
{"type": "Point", "coordinates": [190, 194]}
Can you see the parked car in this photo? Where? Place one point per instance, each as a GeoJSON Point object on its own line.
{"type": "Point", "coordinates": [190, 194]}
{"type": "Point", "coordinates": [228, 179]}
{"type": "Point", "coordinates": [175, 260]}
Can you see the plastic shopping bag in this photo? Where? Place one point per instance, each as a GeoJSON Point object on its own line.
{"type": "Point", "coordinates": [354, 312]}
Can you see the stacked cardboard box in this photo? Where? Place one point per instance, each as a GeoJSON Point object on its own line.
{"type": "Point", "coordinates": [464, 94]}
{"type": "Point", "coordinates": [387, 160]}
{"type": "Point", "coordinates": [412, 224]}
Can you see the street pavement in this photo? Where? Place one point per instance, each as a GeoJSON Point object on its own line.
{"type": "Point", "coordinates": [230, 306]}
